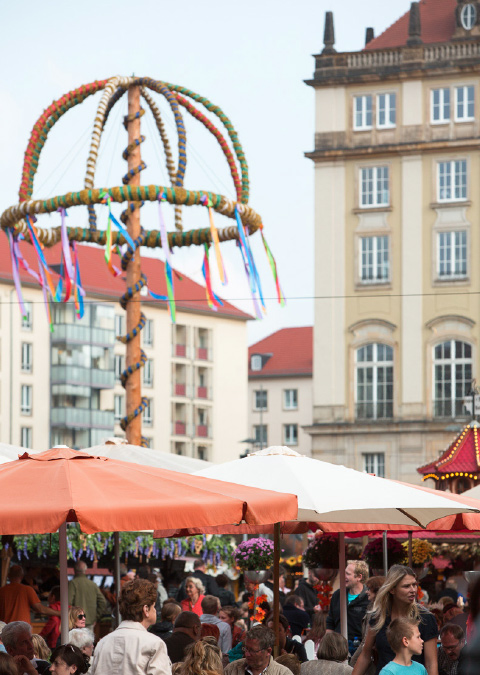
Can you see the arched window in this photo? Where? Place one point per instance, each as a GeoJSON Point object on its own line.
{"type": "Point", "coordinates": [452, 367]}
{"type": "Point", "coordinates": [374, 382]}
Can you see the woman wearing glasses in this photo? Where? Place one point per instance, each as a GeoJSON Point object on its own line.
{"type": "Point", "coordinates": [76, 618]}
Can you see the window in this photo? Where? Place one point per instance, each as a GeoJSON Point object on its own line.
{"type": "Point", "coordinates": [26, 437]}
{"type": "Point", "coordinates": [202, 452]}
{"type": "Point", "coordinates": [440, 102]}
{"type": "Point", "coordinates": [290, 434]}
{"type": "Point", "coordinates": [119, 324]}
{"type": "Point", "coordinates": [256, 362]}
{"type": "Point", "coordinates": [147, 413]}
{"type": "Point", "coordinates": [119, 366]}
{"type": "Point", "coordinates": [386, 110]}
{"type": "Point", "coordinates": [148, 373]}
{"type": "Point", "coordinates": [362, 112]}
{"type": "Point", "coordinates": [27, 320]}
{"type": "Point", "coordinates": [374, 259]}
{"type": "Point", "coordinates": [26, 399]}
{"type": "Point", "coordinates": [452, 365]}
{"type": "Point", "coordinates": [27, 357]}
{"type": "Point", "coordinates": [374, 186]}
{"type": "Point", "coordinates": [452, 180]}
{"type": "Point", "coordinates": [468, 16]}
{"type": "Point", "coordinates": [464, 104]}
{"type": "Point", "coordinates": [260, 434]}
{"type": "Point", "coordinates": [374, 388]}
{"type": "Point", "coordinates": [119, 407]}
{"type": "Point", "coordinates": [148, 333]}
{"type": "Point", "coordinates": [452, 254]}
{"type": "Point", "coordinates": [261, 399]}
{"type": "Point", "coordinates": [290, 399]}
{"type": "Point", "coordinates": [374, 463]}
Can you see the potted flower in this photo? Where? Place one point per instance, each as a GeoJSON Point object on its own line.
{"type": "Point", "coordinates": [373, 553]}
{"type": "Point", "coordinates": [253, 557]}
{"type": "Point", "coordinates": [322, 555]}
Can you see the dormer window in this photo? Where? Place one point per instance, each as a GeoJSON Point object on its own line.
{"type": "Point", "coordinates": [256, 362]}
{"type": "Point", "coordinates": [468, 16]}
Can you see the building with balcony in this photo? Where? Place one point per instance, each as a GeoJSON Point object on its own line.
{"type": "Point", "coordinates": [64, 387]}
{"type": "Point", "coordinates": [280, 389]}
{"type": "Point", "coordinates": [396, 162]}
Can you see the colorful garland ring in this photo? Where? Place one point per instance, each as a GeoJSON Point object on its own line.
{"type": "Point", "coordinates": [19, 221]}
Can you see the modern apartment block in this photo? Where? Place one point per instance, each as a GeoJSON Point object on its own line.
{"type": "Point", "coordinates": [397, 165]}
{"type": "Point", "coordinates": [64, 387]}
{"type": "Point", "coordinates": [280, 389]}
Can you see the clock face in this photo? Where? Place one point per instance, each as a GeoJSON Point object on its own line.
{"type": "Point", "coordinates": [468, 16]}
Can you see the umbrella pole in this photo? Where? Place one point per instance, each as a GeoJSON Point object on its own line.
{"type": "Point", "coordinates": [343, 589]}
{"type": "Point", "coordinates": [385, 554]}
{"type": "Point", "coordinates": [62, 554]}
{"type": "Point", "coordinates": [276, 585]}
{"type": "Point", "coordinates": [410, 547]}
{"type": "Point", "coordinates": [116, 575]}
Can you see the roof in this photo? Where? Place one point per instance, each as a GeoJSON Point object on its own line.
{"type": "Point", "coordinates": [287, 352]}
{"type": "Point", "coordinates": [437, 20]}
{"type": "Point", "coordinates": [98, 281]}
{"type": "Point", "coordinates": [462, 456]}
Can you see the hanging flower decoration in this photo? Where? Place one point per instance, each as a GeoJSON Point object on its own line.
{"type": "Point", "coordinates": [322, 551]}
{"type": "Point", "coordinates": [254, 554]}
{"type": "Point", "coordinates": [422, 551]}
{"type": "Point", "coordinates": [254, 605]}
{"type": "Point", "coordinates": [373, 553]}
{"type": "Point", "coordinates": [324, 594]}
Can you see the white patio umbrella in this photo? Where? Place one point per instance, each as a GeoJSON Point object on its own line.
{"type": "Point", "coordinates": [13, 451]}
{"type": "Point", "coordinates": [332, 493]}
{"type": "Point", "coordinates": [4, 459]}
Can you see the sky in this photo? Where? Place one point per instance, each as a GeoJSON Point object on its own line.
{"type": "Point", "coordinates": [250, 58]}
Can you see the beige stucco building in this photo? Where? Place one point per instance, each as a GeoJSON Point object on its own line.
{"type": "Point", "coordinates": [397, 166]}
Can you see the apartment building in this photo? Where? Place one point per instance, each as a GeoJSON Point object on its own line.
{"type": "Point", "coordinates": [396, 162]}
{"type": "Point", "coordinates": [280, 389]}
{"type": "Point", "coordinates": [63, 387]}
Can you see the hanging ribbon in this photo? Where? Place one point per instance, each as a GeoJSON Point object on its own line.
{"type": "Point", "coordinates": [215, 240]}
{"type": "Point", "coordinates": [168, 266]}
{"type": "Point", "coordinates": [273, 267]}
{"type": "Point", "coordinates": [249, 264]}
{"type": "Point", "coordinates": [214, 302]}
{"type": "Point", "coordinates": [108, 246]}
{"type": "Point", "coordinates": [66, 263]}
{"type": "Point", "coordinates": [16, 274]}
{"type": "Point", "coordinates": [78, 292]}
{"type": "Point", "coordinates": [44, 270]}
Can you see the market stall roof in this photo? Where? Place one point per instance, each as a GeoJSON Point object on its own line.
{"type": "Point", "coordinates": [461, 458]}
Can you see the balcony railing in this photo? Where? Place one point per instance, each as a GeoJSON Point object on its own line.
{"type": "Point", "coordinates": [203, 354]}
{"type": "Point", "coordinates": [180, 389]}
{"type": "Point", "coordinates": [374, 411]}
{"type": "Point", "coordinates": [448, 408]}
{"type": "Point", "coordinates": [179, 428]}
{"type": "Point", "coordinates": [203, 392]}
{"type": "Point", "coordinates": [180, 350]}
{"type": "Point", "coordinates": [93, 377]}
{"type": "Point", "coordinates": [82, 418]}
{"type": "Point", "coordinates": [68, 332]}
{"type": "Point", "coordinates": [203, 431]}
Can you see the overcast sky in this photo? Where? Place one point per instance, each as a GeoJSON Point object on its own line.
{"type": "Point", "coordinates": [248, 57]}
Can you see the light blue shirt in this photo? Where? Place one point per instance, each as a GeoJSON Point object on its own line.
{"type": "Point", "coordinates": [393, 668]}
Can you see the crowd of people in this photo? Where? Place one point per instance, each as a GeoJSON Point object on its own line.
{"type": "Point", "coordinates": [206, 630]}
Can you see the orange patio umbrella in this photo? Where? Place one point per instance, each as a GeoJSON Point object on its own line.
{"type": "Point", "coordinates": [40, 493]}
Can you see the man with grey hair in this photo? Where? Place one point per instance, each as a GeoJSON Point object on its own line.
{"type": "Point", "coordinates": [17, 639]}
{"type": "Point", "coordinates": [85, 594]}
{"type": "Point", "coordinates": [83, 639]}
{"type": "Point", "coordinates": [258, 647]}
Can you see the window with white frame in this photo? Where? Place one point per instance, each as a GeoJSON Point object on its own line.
{"type": "Point", "coordinates": [148, 373]}
{"type": "Point", "coordinates": [119, 324]}
{"type": "Point", "coordinates": [362, 112]}
{"type": "Point", "coordinates": [118, 366]}
{"type": "Point", "coordinates": [468, 16]}
{"type": "Point", "coordinates": [452, 368]}
{"type": "Point", "coordinates": [374, 259]}
{"type": "Point", "coordinates": [119, 407]}
{"type": "Point", "coordinates": [26, 399]}
{"type": "Point", "coordinates": [27, 357]}
{"type": "Point", "coordinates": [27, 319]}
{"type": "Point", "coordinates": [290, 399]}
{"type": "Point", "coordinates": [464, 103]}
{"type": "Point", "coordinates": [26, 437]}
{"type": "Point", "coordinates": [374, 462]}
{"type": "Point", "coordinates": [290, 434]}
{"type": "Point", "coordinates": [256, 362]}
{"type": "Point", "coordinates": [147, 413]}
{"type": "Point", "coordinates": [440, 105]}
{"type": "Point", "coordinates": [260, 399]}
{"type": "Point", "coordinates": [374, 186]}
{"type": "Point", "coordinates": [260, 434]}
{"type": "Point", "coordinates": [452, 254]}
{"type": "Point", "coordinates": [374, 381]}
{"type": "Point", "coordinates": [386, 110]}
{"type": "Point", "coordinates": [452, 180]}
{"type": "Point", "coordinates": [148, 333]}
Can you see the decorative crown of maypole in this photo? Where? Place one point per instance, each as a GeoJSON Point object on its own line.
{"type": "Point", "coordinates": [20, 221]}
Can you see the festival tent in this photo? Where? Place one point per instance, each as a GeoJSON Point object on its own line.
{"type": "Point", "coordinates": [42, 492]}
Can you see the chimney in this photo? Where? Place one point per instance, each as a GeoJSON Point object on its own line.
{"type": "Point", "coordinates": [414, 27]}
{"type": "Point", "coordinates": [328, 34]}
{"type": "Point", "coordinates": [369, 35]}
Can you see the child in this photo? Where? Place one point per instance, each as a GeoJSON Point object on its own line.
{"type": "Point", "coordinates": [404, 638]}
{"type": "Point", "coordinates": [51, 631]}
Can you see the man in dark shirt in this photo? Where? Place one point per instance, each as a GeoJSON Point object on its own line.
{"type": "Point", "coordinates": [186, 630]}
{"type": "Point", "coordinates": [452, 638]}
{"type": "Point", "coordinates": [286, 644]}
{"type": "Point", "coordinates": [356, 573]}
{"type": "Point", "coordinates": [298, 618]}
{"type": "Point", "coordinates": [307, 592]}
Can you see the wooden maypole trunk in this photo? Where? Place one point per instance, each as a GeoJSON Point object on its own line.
{"type": "Point", "coordinates": [133, 394]}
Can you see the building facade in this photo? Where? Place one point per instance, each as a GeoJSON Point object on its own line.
{"type": "Point", "coordinates": [63, 387]}
{"type": "Point", "coordinates": [280, 389]}
{"type": "Point", "coordinates": [396, 166]}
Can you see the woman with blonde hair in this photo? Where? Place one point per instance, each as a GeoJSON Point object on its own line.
{"type": "Point", "coordinates": [41, 649]}
{"type": "Point", "coordinates": [396, 598]}
{"type": "Point", "coordinates": [195, 591]}
{"type": "Point", "coordinates": [76, 618]}
{"type": "Point", "coordinates": [203, 658]}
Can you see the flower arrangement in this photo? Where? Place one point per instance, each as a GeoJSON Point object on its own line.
{"type": "Point", "coordinates": [254, 554]}
{"type": "Point", "coordinates": [254, 605]}
{"type": "Point", "coordinates": [373, 553]}
{"type": "Point", "coordinates": [324, 594]}
{"type": "Point", "coordinates": [322, 551]}
{"type": "Point", "coordinates": [422, 551]}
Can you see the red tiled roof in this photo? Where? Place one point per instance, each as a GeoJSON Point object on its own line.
{"type": "Point", "coordinates": [461, 456]}
{"type": "Point", "coordinates": [98, 281]}
{"type": "Point", "coordinates": [437, 20]}
{"type": "Point", "coordinates": [290, 352]}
